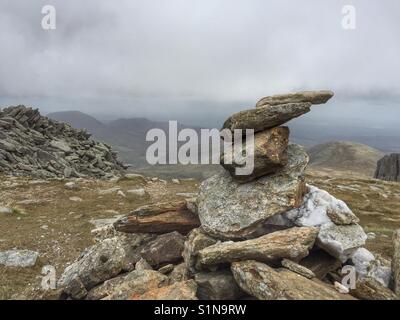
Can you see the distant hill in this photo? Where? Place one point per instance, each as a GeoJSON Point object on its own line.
{"type": "Point", "coordinates": [345, 156]}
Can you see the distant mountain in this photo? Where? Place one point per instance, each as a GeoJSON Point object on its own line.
{"type": "Point", "coordinates": [345, 156]}
{"type": "Point", "coordinates": [78, 120]}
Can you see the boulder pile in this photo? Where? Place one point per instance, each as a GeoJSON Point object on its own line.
{"type": "Point", "coordinates": [268, 235]}
{"type": "Point", "coordinates": [33, 145]}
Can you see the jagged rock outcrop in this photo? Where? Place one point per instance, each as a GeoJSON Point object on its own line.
{"type": "Point", "coordinates": [388, 168]}
{"type": "Point", "coordinates": [34, 145]}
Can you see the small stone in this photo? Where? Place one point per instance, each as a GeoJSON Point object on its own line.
{"type": "Point", "coordinates": [341, 288]}
{"type": "Point", "coordinates": [142, 264]}
{"type": "Point", "coordinates": [71, 186]}
{"type": "Point", "coordinates": [176, 181]}
{"type": "Point", "coordinates": [75, 199]}
{"type": "Point", "coordinates": [166, 269]}
{"type": "Point", "coordinates": [5, 210]}
{"type": "Point", "coordinates": [297, 268]}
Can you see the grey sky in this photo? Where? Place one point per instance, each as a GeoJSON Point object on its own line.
{"type": "Point", "coordinates": [154, 57]}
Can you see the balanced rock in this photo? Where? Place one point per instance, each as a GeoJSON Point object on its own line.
{"type": "Point", "coordinates": [263, 118]}
{"type": "Point", "coordinates": [266, 283]}
{"type": "Point", "coordinates": [229, 209]}
{"type": "Point", "coordinates": [270, 154]}
{"type": "Point", "coordinates": [313, 97]}
{"type": "Point", "coordinates": [388, 168]}
{"type": "Point", "coordinates": [293, 244]}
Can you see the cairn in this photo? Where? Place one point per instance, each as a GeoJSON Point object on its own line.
{"type": "Point", "coordinates": [268, 235]}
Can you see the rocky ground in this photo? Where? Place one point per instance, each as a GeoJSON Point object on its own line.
{"type": "Point", "coordinates": [46, 218]}
{"type": "Point", "coordinates": [56, 221]}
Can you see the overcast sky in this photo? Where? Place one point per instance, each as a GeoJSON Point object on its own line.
{"type": "Point", "coordinates": [162, 57]}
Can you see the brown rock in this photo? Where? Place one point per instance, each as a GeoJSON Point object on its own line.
{"type": "Point", "coordinates": [166, 248]}
{"type": "Point", "coordinates": [137, 282]}
{"type": "Point", "coordinates": [267, 117]}
{"type": "Point", "coordinates": [293, 243]}
{"type": "Point", "coordinates": [270, 154]}
{"type": "Point", "coordinates": [185, 290]}
{"type": "Point", "coordinates": [313, 97]}
{"type": "Point", "coordinates": [180, 273]}
{"type": "Point", "coordinates": [266, 283]}
{"type": "Point", "coordinates": [159, 218]}
{"type": "Point", "coordinates": [370, 289]}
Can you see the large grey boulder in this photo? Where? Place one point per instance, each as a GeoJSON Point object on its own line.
{"type": "Point", "coordinates": [269, 153]}
{"type": "Point", "coordinates": [231, 210]}
{"type": "Point", "coordinates": [388, 168]}
{"type": "Point", "coordinates": [313, 97]}
{"type": "Point", "coordinates": [267, 117]}
{"type": "Point", "coordinates": [18, 258]}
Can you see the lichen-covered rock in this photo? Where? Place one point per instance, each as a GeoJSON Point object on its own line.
{"type": "Point", "coordinates": [266, 283]}
{"type": "Point", "coordinates": [266, 117]}
{"type": "Point", "coordinates": [166, 248]}
{"type": "Point", "coordinates": [18, 258]}
{"type": "Point", "coordinates": [314, 97]}
{"type": "Point", "coordinates": [293, 243]}
{"type": "Point", "coordinates": [180, 273]}
{"type": "Point", "coordinates": [269, 153]}
{"type": "Point", "coordinates": [196, 241]}
{"type": "Point", "coordinates": [103, 261]}
{"type": "Point", "coordinates": [231, 210]}
{"type": "Point", "coordinates": [341, 241]}
{"type": "Point", "coordinates": [219, 285]}
{"type": "Point", "coordinates": [185, 290]}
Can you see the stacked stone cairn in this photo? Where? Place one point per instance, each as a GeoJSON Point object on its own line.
{"type": "Point", "coordinates": [36, 146]}
{"type": "Point", "coordinates": [268, 235]}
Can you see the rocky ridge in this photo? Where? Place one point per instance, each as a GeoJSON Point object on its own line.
{"type": "Point", "coordinates": [34, 145]}
{"type": "Point", "coordinates": [274, 235]}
